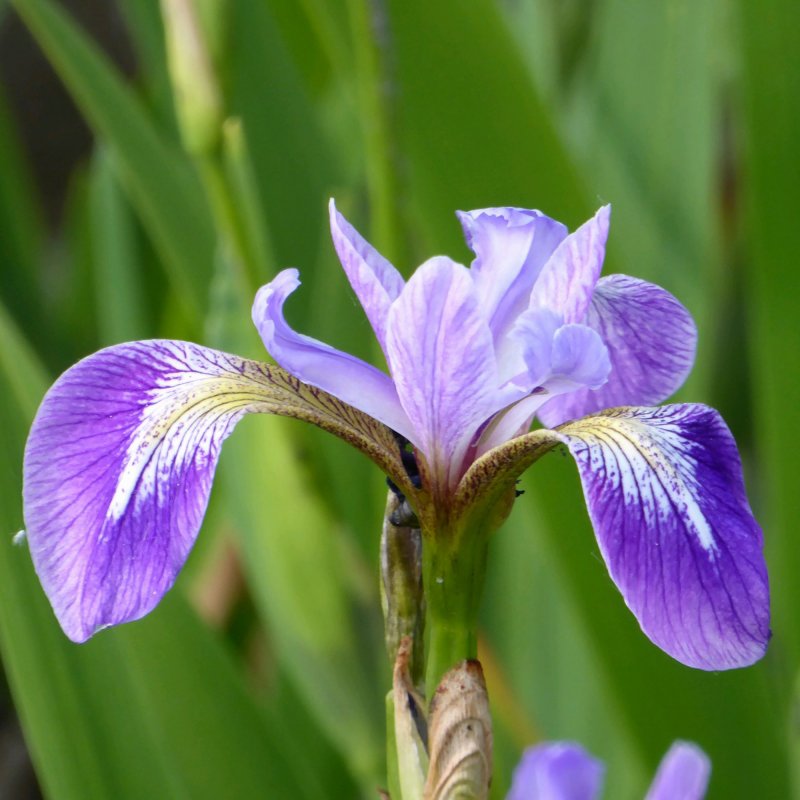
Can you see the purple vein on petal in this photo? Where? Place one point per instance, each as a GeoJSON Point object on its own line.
{"type": "Point", "coordinates": [349, 378]}
{"type": "Point", "coordinates": [665, 493]}
{"type": "Point", "coordinates": [118, 470]}
{"type": "Point", "coordinates": [375, 281]}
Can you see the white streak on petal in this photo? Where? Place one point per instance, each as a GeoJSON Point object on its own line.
{"type": "Point", "coordinates": [665, 493]}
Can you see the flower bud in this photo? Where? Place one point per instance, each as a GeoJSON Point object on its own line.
{"type": "Point", "coordinates": [198, 99]}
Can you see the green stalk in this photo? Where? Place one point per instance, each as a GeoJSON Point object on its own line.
{"type": "Point", "coordinates": [454, 568]}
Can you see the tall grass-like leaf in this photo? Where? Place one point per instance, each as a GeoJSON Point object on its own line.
{"type": "Point", "coordinates": [771, 197]}
{"type": "Point", "coordinates": [22, 239]}
{"type": "Point", "coordinates": [161, 182]}
{"type": "Point", "coordinates": [117, 276]}
{"type": "Point", "coordinates": [645, 121]}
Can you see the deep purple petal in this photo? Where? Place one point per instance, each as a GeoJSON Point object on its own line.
{"type": "Point", "coordinates": [557, 771]}
{"type": "Point", "coordinates": [374, 280]}
{"type": "Point", "coordinates": [566, 282]}
{"type": "Point", "coordinates": [511, 246]}
{"type": "Point", "coordinates": [665, 493]}
{"type": "Point", "coordinates": [683, 773]}
{"type": "Point", "coordinates": [651, 340]}
{"type": "Point", "coordinates": [118, 470]}
{"type": "Point", "coordinates": [441, 356]}
{"type": "Point", "coordinates": [313, 362]}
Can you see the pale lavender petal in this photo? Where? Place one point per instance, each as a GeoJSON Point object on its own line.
{"type": "Point", "coordinates": [441, 356]}
{"type": "Point", "coordinates": [374, 280]}
{"type": "Point", "coordinates": [559, 358]}
{"type": "Point", "coordinates": [683, 773]}
{"type": "Point", "coordinates": [511, 246]}
{"type": "Point", "coordinates": [579, 359]}
{"type": "Point", "coordinates": [557, 771]}
{"type": "Point", "coordinates": [313, 362]}
{"type": "Point", "coordinates": [666, 497]}
{"type": "Point", "coordinates": [566, 282]}
{"type": "Point", "coordinates": [651, 340]}
{"type": "Point", "coordinates": [118, 470]}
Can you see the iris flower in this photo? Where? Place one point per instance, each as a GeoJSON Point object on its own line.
{"type": "Point", "coordinates": [121, 455]}
{"type": "Point", "coordinates": [565, 771]}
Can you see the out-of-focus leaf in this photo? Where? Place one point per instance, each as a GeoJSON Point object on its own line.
{"type": "Point", "coordinates": [771, 183]}
{"type": "Point", "coordinates": [143, 22]}
{"type": "Point", "coordinates": [475, 131]}
{"type": "Point", "coordinates": [116, 261]}
{"type": "Point", "coordinates": [162, 184]}
{"type": "Point", "coordinates": [645, 123]}
{"type": "Point", "coordinates": [21, 240]}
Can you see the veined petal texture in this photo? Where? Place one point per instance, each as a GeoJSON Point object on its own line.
{"type": "Point", "coordinates": [666, 497]}
{"type": "Point", "coordinates": [349, 378]}
{"type": "Point", "coordinates": [441, 356]}
{"type": "Point", "coordinates": [651, 340]}
{"type": "Point", "coordinates": [120, 460]}
{"type": "Point", "coordinates": [511, 246]}
{"type": "Point", "coordinates": [683, 773]}
{"type": "Point", "coordinates": [374, 280]}
{"type": "Point", "coordinates": [569, 277]}
{"type": "Point", "coordinates": [557, 771]}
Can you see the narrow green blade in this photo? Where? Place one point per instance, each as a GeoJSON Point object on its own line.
{"type": "Point", "coordinates": [159, 177]}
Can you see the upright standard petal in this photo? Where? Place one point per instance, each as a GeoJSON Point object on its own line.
{"type": "Point", "coordinates": [118, 469]}
{"type": "Point", "coordinates": [344, 376]}
{"type": "Point", "coordinates": [651, 340]}
{"type": "Point", "coordinates": [683, 773]}
{"type": "Point", "coordinates": [511, 246]}
{"type": "Point", "coordinates": [567, 281]}
{"type": "Point", "coordinates": [557, 771]}
{"type": "Point", "coordinates": [442, 360]}
{"type": "Point", "coordinates": [665, 493]}
{"type": "Point", "coordinates": [374, 280]}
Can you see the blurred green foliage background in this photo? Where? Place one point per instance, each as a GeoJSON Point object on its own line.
{"type": "Point", "coordinates": [263, 673]}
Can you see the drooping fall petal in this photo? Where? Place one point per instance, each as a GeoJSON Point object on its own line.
{"type": "Point", "coordinates": [666, 497]}
{"type": "Point", "coordinates": [120, 460]}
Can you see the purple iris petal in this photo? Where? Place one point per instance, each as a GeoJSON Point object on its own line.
{"type": "Point", "coordinates": [557, 358]}
{"type": "Point", "coordinates": [651, 339]}
{"type": "Point", "coordinates": [511, 246]}
{"type": "Point", "coordinates": [683, 773]}
{"type": "Point", "coordinates": [557, 771]}
{"type": "Point", "coordinates": [569, 277]}
{"type": "Point", "coordinates": [441, 356]}
{"type": "Point", "coordinates": [118, 469]}
{"type": "Point", "coordinates": [665, 493]}
{"type": "Point", "coordinates": [349, 378]}
{"type": "Point", "coordinates": [374, 280]}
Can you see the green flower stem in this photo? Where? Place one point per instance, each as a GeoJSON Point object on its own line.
{"type": "Point", "coordinates": [454, 567]}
